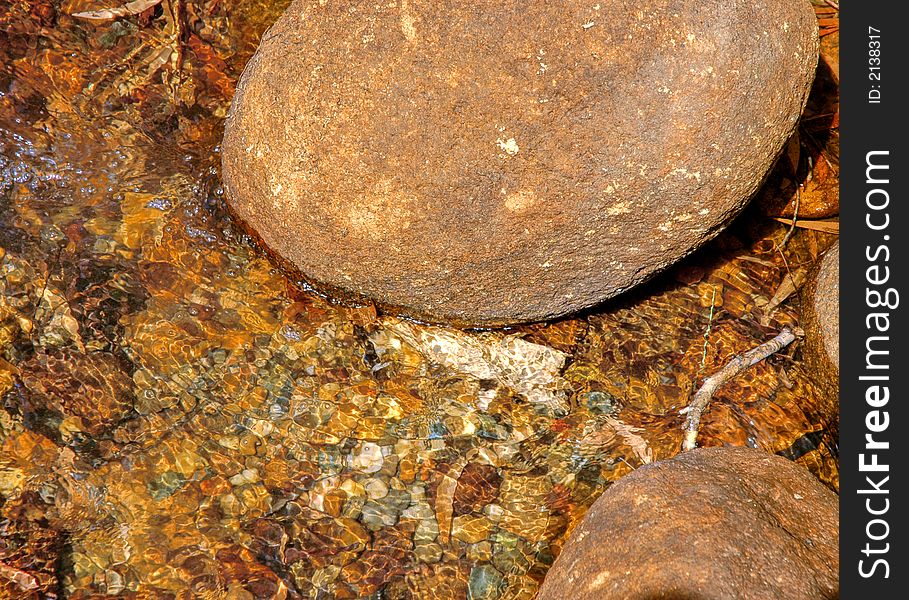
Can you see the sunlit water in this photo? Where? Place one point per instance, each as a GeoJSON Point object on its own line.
{"type": "Point", "coordinates": [180, 420]}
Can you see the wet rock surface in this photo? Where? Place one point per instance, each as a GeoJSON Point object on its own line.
{"type": "Point", "coordinates": [179, 419]}
{"type": "Point", "coordinates": [821, 321]}
{"type": "Point", "coordinates": [510, 163]}
{"type": "Point", "coordinates": [709, 523]}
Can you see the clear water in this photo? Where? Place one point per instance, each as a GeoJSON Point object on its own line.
{"type": "Point", "coordinates": [181, 420]}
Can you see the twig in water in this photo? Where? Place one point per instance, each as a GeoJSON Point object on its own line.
{"type": "Point", "coordinates": [831, 225]}
{"type": "Point", "coordinates": [795, 216]}
{"type": "Point", "coordinates": [712, 384]}
{"type": "Point", "coordinates": [707, 333]}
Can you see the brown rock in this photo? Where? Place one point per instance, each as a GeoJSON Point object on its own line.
{"type": "Point", "coordinates": [821, 321]}
{"type": "Point", "coordinates": [709, 523]}
{"type": "Point", "coordinates": [30, 551]}
{"type": "Point", "coordinates": [91, 387]}
{"type": "Point", "coordinates": [509, 161]}
{"type": "Point", "coordinates": [477, 486]}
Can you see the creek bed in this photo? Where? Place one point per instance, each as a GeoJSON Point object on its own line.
{"type": "Point", "coordinates": [180, 418]}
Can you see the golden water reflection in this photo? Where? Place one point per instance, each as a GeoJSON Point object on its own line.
{"type": "Point", "coordinates": [181, 420]}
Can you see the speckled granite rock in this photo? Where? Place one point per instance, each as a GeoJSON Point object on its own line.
{"type": "Point", "coordinates": [711, 523]}
{"type": "Point", "coordinates": [485, 164]}
{"type": "Point", "coordinates": [821, 321]}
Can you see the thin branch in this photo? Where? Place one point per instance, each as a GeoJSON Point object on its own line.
{"type": "Point", "coordinates": [823, 225]}
{"type": "Point", "coordinates": [737, 365]}
{"type": "Point", "coordinates": [50, 270]}
{"type": "Point", "coordinates": [707, 333]}
{"type": "Point", "coordinates": [795, 216]}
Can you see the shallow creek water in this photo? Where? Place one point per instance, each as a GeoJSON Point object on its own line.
{"type": "Point", "coordinates": [180, 419]}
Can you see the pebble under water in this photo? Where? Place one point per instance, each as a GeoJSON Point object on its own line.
{"type": "Point", "coordinates": [181, 419]}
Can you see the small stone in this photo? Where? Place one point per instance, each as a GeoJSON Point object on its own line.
{"type": "Point", "coordinates": [237, 592]}
{"type": "Point", "coordinates": [353, 507]}
{"type": "Point", "coordinates": [324, 576]}
{"type": "Point", "coordinates": [470, 529]}
{"type": "Point", "coordinates": [244, 476]}
{"type": "Point", "coordinates": [367, 458]}
{"type": "Point", "coordinates": [478, 486]}
{"type": "Point", "coordinates": [88, 386]}
{"type": "Point", "coordinates": [230, 506]}
{"type": "Point", "coordinates": [494, 512]}
{"type": "Point", "coordinates": [376, 488]}
{"type": "Point", "coordinates": [114, 583]}
{"type": "Point", "coordinates": [254, 497]}
{"type": "Point", "coordinates": [261, 427]}
{"type": "Point", "coordinates": [353, 488]}
{"type": "Point", "coordinates": [427, 529]}
{"type": "Point", "coordinates": [407, 468]}
{"type": "Point", "coordinates": [333, 502]}
{"type": "Point", "coordinates": [428, 553]}
{"type": "Point", "coordinates": [165, 485]}
{"type": "Point", "coordinates": [385, 511]}
{"type": "Point", "coordinates": [249, 444]}
{"type": "Point", "coordinates": [485, 583]}
{"type": "Point", "coordinates": [601, 402]}
{"type": "Point", "coordinates": [511, 553]}
{"type": "Point", "coordinates": [231, 442]}
{"type": "Point", "coordinates": [479, 552]}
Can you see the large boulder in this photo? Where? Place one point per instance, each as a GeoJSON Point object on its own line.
{"type": "Point", "coordinates": [498, 162]}
{"type": "Point", "coordinates": [712, 523]}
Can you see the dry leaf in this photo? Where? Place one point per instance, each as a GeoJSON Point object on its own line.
{"type": "Point", "coordinates": [109, 14]}
{"type": "Point", "coordinates": [791, 283]}
{"type": "Point", "coordinates": [446, 491]}
{"type": "Point", "coordinates": [823, 225]}
{"type": "Point", "coordinates": [531, 370]}
{"type": "Point", "coordinates": [629, 435]}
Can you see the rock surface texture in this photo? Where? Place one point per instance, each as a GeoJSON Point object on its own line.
{"type": "Point", "coordinates": [821, 321]}
{"type": "Point", "coordinates": [499, 162]}
{"type": "Point", "coordinates": [708, 524]}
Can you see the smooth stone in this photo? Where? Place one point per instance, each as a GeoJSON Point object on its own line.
{"type": "Point", "coordinates": [376, 489]}
{"type": "Point", "coordinates": [470, 529]}
{"type": "Point", "coordinates": [601, 402]}
{"type": "Point", "coordinates": [483, 165]}
{"type": "Point", "coordinates": [367, 457]}
{"type": "Point", "coordinates": [511, 553]}
{"type": "Point", "coordinates": [385, 511]}
{"type": "Point", "coordinates": [374, 517]}
{"type": "Point", "coordinates": [485, 583]}
{"type": "Point", "coordinates": [711, 523]}
{"type": "Point", "coordinates": [479, 552]}
{"type": "Point", "coordinates": [428, 553]}
{"type": "Point", "coordinates": [821, 322]}
{"type": "Point", "coordinates": [427, 530]}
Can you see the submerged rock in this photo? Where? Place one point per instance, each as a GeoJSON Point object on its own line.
{"type": "Point", "coordinates": [511, 161]}
{"type": "Point", "coordinates": [710, 523]}
{"type": "Point", "coordinates": [485, 583]}
{"type": "Point", "coordinates": [821, 321]}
